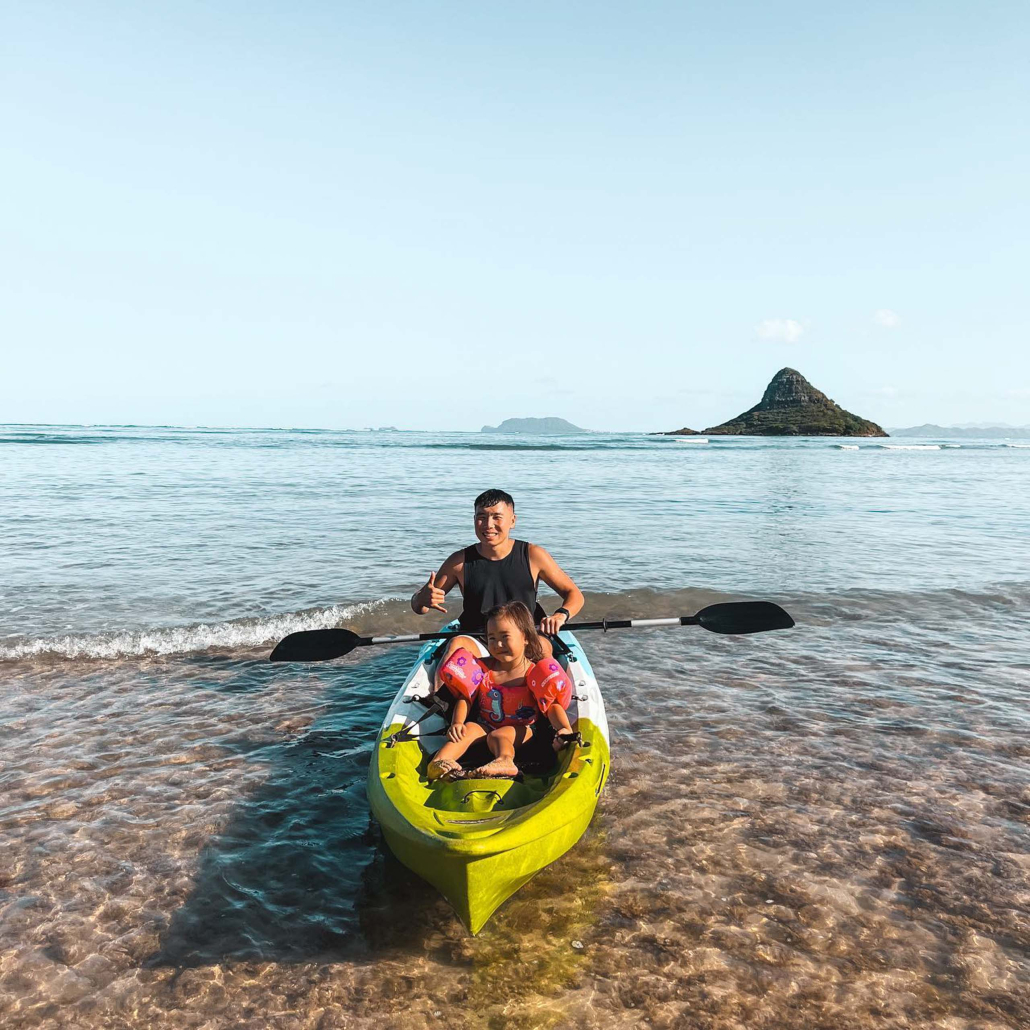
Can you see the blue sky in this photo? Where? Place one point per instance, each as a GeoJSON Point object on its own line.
{"type": "Point", "coordinates": [441, 215]}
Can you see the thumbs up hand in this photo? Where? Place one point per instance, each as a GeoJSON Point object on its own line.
{"type": "Point", "coordinates": [431, 596]}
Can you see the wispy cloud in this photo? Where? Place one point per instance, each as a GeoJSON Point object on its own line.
{"type": "Point", "coordinates": [885, 317]}
{"type": "Point", "coordinates": [787, 330]}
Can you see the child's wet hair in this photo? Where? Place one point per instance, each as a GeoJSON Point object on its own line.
{"type": "Point", "coordinates": [520, 615]}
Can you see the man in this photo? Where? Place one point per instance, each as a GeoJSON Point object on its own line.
{"type": "Point", "coordinates": [494, 571]}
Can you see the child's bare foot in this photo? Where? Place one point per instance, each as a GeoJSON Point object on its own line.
{"type": "Point", "coordinates": [499, 768]}
{"type": "Point", "coordinates": [443, 769]}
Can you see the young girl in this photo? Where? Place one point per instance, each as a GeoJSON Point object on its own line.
{"type": "Point", "coordinates": [512, 686]}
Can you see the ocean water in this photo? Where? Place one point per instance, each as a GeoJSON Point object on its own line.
{"type": "Point", "coordinates": [826, 827]}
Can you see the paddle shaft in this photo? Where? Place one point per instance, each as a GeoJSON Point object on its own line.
{"type": "Point", "coordinates": [604, 624]}
{"type": "Point", "coordinates": [322, 645]}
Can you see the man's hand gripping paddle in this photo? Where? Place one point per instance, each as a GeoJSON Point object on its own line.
{"type": "Point", "coordinates": [322, 645]}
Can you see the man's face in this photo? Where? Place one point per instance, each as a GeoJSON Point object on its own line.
{"type": "Point", "coordinates": [493, 524]}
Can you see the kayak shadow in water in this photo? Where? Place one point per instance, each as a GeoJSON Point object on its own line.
{"type": "Point", "coordinates": [229, 675]}
{"type": "Point", "coordinates": [300, 870]}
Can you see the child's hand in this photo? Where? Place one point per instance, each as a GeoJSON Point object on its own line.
{"type": "Point", "coordinates": [563, 738]}
{"type": "Point", "coordinates": [455, 732]}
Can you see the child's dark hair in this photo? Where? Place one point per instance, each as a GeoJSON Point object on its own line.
{"type": "Point", "coordinates": [519, 614]}
{"type": "Point", "coordinates": [488, 498]}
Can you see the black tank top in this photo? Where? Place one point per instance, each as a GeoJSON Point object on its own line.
{"type": "Point", "coordinates": [490, 583]}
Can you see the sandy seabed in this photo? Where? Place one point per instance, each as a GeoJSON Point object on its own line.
{"type": "Point", "coordinates": [829, 829]}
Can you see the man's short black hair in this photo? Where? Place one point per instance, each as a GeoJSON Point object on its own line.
{"type": "Point", "coordinates": [488, 498]}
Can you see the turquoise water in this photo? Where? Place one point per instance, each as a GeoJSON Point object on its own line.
{"type": "Point", "coordinates": [119, 530]}
{"type": "Point", "coordinates": [824, 827]}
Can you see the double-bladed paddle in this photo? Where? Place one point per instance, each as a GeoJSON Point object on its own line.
{"type": "Point", "coordinates": [322, 645]}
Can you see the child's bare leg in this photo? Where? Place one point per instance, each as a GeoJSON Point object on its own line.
{"type": "Point", "coordinates": [502, 743]}
{"type": "Point", "coordinates": [445, 761]}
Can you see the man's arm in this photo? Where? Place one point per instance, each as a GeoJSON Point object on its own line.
{"type": "Point", "coordinates": [560, 582]}
{"type": "Point", "coordinates": [431, 594]}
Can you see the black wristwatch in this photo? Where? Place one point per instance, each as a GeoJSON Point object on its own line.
{"type": "Point", "coordinates": [563, 611]}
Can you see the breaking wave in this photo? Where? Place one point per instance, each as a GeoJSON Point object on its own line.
{"type": "Point", "coordinates": [908, 446]}
{"type": "Point", "coordinates": [387, 616]}
{"type": "Point", "coordinates": [232, 635]}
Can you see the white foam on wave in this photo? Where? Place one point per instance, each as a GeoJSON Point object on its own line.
{"type": "Point", "coordinates": [691, 439]}
{"type": "Point", "coordinates": [1020, 446]}
{"type": "Point", "coordinates": [909, 446]}
{"type": "Point", "coordinates": [846, 446]}
{"type": "Point", "coordinates": [235, 634]}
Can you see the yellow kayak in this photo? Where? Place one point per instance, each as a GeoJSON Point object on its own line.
{"type": "Point", "coordinates": [479, 840]}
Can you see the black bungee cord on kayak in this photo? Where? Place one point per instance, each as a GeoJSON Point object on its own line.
{"type": "Point", "coordinates": [434, 706]}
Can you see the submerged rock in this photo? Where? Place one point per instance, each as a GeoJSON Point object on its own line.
{"type": "Point", "coordinates": [792, 406]}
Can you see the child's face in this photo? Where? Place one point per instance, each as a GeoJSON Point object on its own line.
{"type": "Point", "coordinates": [505, 641]}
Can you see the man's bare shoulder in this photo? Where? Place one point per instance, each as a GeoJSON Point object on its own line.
{"type": "Point", "coordinates": [539, 557]}
{"type": "Point", "coordinates": [455, 561]}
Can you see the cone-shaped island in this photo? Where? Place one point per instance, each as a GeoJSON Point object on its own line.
{"type": "Point", "coordinates": [792, 406]}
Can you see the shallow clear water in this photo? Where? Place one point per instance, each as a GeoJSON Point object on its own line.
{"type": "Point", "coordinates": [823, 828]}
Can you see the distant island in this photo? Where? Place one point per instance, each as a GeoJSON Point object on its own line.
{"type": "Point", "coordinates": [986, 432]}
{"type": "Point", "coordinates": [540, 426]}
{"type": "Point", "coordinates": [791, 406]}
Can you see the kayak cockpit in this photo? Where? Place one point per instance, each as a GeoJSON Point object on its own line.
{"type": "Point", "coordinates": [463, 796]}
{"type": "Point", "coordinates": [430, 715]}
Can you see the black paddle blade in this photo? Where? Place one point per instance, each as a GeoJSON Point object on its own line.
{"type": "Point", "coordinates": [315, 645]}
{"type": "Point", "coordinates": [743, 617]}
